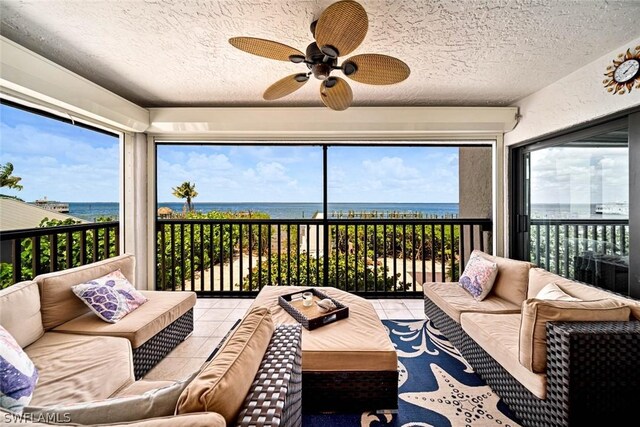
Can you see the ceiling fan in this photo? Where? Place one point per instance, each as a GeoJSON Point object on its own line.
{"type": "Point", "coordinates": [339, 30]}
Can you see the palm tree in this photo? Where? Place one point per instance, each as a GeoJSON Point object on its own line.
{"type": "Point", "coordinates": [186, 190]}
{"type": "Point", "coordinates": [7, 179]}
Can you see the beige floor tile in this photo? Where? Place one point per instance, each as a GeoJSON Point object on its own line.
{"type": "Point", "coordinates": [193, 364]}
{"type": "Point", "coordinates": [205, 302]}
{"type": "Point", "coordinates": [392, 304]}
{"type": "Point", "coordinates": [413, 304]}
{"type": "Point", "coordinates": [169, 369]}
{"type": "Point", "coordinates": [205, 329]}
{"type": "Point", "coordinates": [216, 314]}
{"type": "Point", "coordinates": [399, 314]}
{"type": "Point", "coordinates": [382, 314]}
{"type": "Point", "coordinates": [376, 304]}
{"type": "Point", "coordinates": [237, 313]}
{"type": "Point", "coordinates": [198, 312]}
{"type": "Point", "coordinates": [418, 314]}
{"type": "Point", "coordinates": [209, 345]}
{"type": "Point", "coordinates": [227, 303]}
{"type": "Point", "coordinates": [222, 329]}
{"type": "Point", "coordinates": [245, 303]}
{"type": "Point", "coordinates": [188, 348]}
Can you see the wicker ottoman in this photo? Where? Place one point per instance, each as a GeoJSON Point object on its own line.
{"type": "Point", "coordinates": [347, 366]}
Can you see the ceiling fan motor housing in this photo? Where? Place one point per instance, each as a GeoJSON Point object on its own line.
{"type": "Point", "coordinates": [320, 64]}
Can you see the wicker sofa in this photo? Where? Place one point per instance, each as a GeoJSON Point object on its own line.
{"type": "Point", "coordinates": [89, 376]}
{"type": "Point", "coordinates": [592, 367]}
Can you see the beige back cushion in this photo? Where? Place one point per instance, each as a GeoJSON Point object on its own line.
{"type": "Point", "coordinates": [512, 279]}
{"type": "Point", "coordinates": [536, 313]}
{"type": "Point", "coordinates": [59, 303]}
{"type": "Point", "coordinates": [539, 278]}
{"type": "Point", "coordinates": [224, 383]}
{"type": "Point", "coordinates": [20, 312]}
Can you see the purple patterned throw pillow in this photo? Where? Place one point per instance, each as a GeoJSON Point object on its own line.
{"type": "Point", "coordinates": [110, 297]}
{"type": "Point", "coordinates": [478, 276]}
{"type": "Point", "coordinates": [18, 375]}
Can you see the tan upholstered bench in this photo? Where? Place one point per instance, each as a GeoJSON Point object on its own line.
{"type": "Point", "coordinates": [348, 365]}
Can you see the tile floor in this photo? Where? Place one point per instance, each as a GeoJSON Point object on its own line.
{"type": "Point", "coordinates": [214, 317]}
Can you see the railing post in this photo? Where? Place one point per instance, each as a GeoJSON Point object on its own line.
{"type": "Point", "coordinates": [325, 220]}
{"type": "Point", "coordinates": [17, 260]}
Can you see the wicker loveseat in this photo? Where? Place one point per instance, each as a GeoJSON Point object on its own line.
{"type": "Point", "coordinates": [592, 367]}
{"type": "Point", "coordinates": [89, 370]}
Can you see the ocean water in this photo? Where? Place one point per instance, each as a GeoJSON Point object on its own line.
{"type": "Point", "coordinates": [90, 211]}
{"type": "Point", "coordinates": [570, 211]}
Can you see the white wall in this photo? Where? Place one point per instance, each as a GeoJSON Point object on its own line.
{"type": "Point", "coordinates": [574, 99]}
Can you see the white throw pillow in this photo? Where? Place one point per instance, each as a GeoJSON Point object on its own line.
{"type": "Point", "coordinates": [110, 297]}
{"type": "Point", "coordinates": [552, 292]}
{"type": "Point", "coordinates": [18, 374]}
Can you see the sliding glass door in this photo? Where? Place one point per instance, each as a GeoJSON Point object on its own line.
{"type": "Point", "coordinates": [572, 205]}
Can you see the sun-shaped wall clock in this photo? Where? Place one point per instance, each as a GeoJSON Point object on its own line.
{"type": "Point", "coordinates": [624, 73]}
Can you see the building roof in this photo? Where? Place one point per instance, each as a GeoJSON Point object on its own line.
{"type": "Point", "coordinates": [17, 215]}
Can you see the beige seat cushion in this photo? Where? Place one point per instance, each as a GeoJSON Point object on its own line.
{"type": "Point", "coordinates": [142, 386]}
{"type": "Point", "coordinates": [539, 278]}
{"type": "Point", "coordinates": [536, 314]}
{"type": "Point", "coordinates": [497, 334]}
{"type": "Point", "coordinates": [201, 419]}
{"type": "Point", "coordinates": [138, 400]}
{"type": "Point", "coordinates": [358, 343]}
{"type": "Point", "coordinates": [161, 309]}
{"type": "Point", "coordinates": [20, 312]}
{"type": "Point", "coordinates": [512, 279]}
{"type": "Point", "coordinates": [77, 368]}
{"type": "Point", "coordinates": [454, 300]}
{"type": "Point", "coordinates": [59, 303]}
{"type": "Point", "coordinates": [223, 384]}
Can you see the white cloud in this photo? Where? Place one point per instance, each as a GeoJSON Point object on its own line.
{"type": "Point", "coordinates": [580, 175]}
{"type": "Point", "coordinates": [62, 166]}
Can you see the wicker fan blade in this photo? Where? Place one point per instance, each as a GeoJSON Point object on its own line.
{"type": "Point", "coordinates": [266, 48]}
{"type": "Point", "coordinates": [284, 87]}
{"type": "Point", "coordinates": [375, 69]}
{"type": "Point", "coordinates": [343, 26]}
{"type": "Point", "coordinates": [337, 97]}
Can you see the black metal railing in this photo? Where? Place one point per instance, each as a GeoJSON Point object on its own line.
{"type": "Point", "coordinates": [30, 252]}
{"type": "Point", "coordinates": [370, 257]}
{"type": "Point", "coordinates": [570, 247]}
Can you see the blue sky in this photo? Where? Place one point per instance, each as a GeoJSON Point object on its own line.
{"type": "Point", "coordinates": [72, 164]}
{"type": "Point", "coordinates": [58, 160]}
{"type": "Point", "coordinates": [294, 174]}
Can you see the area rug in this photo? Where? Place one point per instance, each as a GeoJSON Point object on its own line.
{"type": "Point", "coordinates": [437, 386]}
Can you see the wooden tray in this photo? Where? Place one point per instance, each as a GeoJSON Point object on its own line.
{"type": "Point", "coordinates": [312, 317]}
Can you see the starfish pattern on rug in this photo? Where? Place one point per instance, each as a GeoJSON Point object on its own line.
{"type": "Point", "coordinates": [461, 404]}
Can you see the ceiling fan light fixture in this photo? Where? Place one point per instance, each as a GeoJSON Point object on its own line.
{"type": "Point", "coordinates": [330, 82]}
{"type": "Point", "coordinates": [297, 59]}
{"type": "Point", "coordinates": [349, 67]}
{"type": "Point", "coordinates": [330, 51]}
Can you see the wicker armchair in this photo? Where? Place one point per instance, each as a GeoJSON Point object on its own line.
{"type": "Point", "coordinates": [593, 372]}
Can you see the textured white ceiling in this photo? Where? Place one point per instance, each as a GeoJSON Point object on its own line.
{"type": "Point", "coordinates": [175, 53]}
